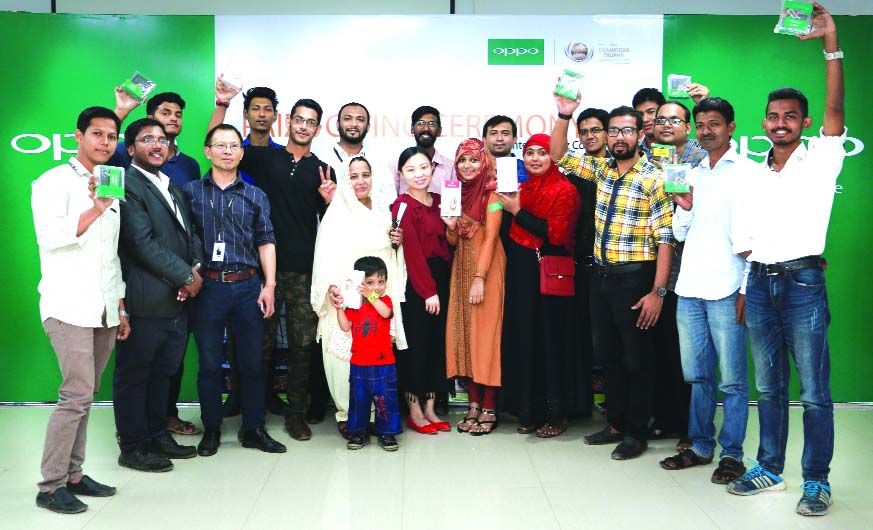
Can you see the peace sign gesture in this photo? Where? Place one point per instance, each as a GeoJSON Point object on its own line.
{"type": "Point", "coordinates": [328, 186]}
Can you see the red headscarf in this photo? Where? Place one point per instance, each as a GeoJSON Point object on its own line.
{"type": "Point", "coordinates": [549, 196]}
{"type": "Point", "coordinates": [474, 193]}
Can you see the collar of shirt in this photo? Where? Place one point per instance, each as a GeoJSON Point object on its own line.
{"type": "Point", "coordinates": [343, 155]}
{"type": "Point", "coordinates": [730, 156]}
{"type": "Point", "coordinates": [79, 168]}
{"type": "Point", "coordinates": [160, 180]}
{"type": "Point", "coordinates": [236, 182]}
{"type": "Point", "coordinates": [798, 155]}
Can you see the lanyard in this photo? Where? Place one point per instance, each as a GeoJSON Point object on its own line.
{"type": "Point", "coordinates": [219, 220]}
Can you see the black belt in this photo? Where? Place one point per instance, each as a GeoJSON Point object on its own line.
{"type": "Point", "coordinates": [230, 276]}
{"type": "Point", "coordinates": [772, 269]}
{"type": "Point", "coordinates": [624, 268]}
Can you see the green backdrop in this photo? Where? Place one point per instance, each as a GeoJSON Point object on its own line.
{"type": "Point", "coordinates": [740, 59]}
{"type": "Point", "coordinates": [56, 65]}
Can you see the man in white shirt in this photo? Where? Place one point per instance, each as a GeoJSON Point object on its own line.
{"type": "Point", "coordinates": [352, 125]}
{"type": "Point", "coordinates": [786, 299]}
{"type": "Point", "coordinates": [710, 310]}
{"type": "Point", "coordinates": [81, 302]}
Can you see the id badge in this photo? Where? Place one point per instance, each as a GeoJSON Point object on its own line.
{"type": "Point", "coordinates": [218, 251]}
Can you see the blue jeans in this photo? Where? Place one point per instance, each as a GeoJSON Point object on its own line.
{"type": "Point", "coordinates": [789, 313]}
{"type": "Point", "coordinates": [374, 386]}
{"type": "Point", "coordinates": [710, 338]}
{"type": "Point", "coordinates": [236, 303]}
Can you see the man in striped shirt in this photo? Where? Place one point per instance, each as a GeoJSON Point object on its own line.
{"type": "Point", "coordinates": [632, 250]}
{"type": "Point", "coordinates": [232, 219]}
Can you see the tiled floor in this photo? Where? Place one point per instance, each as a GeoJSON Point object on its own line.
{"type": "Point", "coordinates": [504, 481]}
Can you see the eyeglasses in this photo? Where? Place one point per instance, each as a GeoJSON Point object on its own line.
{"type": "Point", "coordinates": [300, 120]}
{"type": "Point", "coordinates": [624, 131]}
{"type": "Point", "coordinates": [429, 124]}
{"type": "Point", "coordinates": [151, 140]}
{"type": "Point", "coordinates": [593, 130]}
{"type": "Point", "coordinates": [675, 120]}
{"type": "Point", "coordinates": [222, 147]}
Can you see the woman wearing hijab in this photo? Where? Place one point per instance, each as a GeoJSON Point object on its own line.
{"type": "Point", "coordinates": [353, 227]}
{"type": "Point", "coordinates": [475, 311]}
{"type": "Point", "coordinates": [538, 329]}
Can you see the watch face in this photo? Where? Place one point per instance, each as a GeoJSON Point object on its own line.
{"type": "Point", "coordinates": [662, 291]}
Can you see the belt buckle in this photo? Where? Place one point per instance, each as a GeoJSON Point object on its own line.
{"type": "Point", "coordinates": [222, 277]}
{"type": "Point", "coordinates": [773, 270]}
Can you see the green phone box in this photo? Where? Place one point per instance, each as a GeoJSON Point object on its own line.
{"type": "Point", "coordinates": [676, 178]}
{"type": "Point", "coordinates": [110, 182]}
{"type": "Point", "coordinates": [795, 18]}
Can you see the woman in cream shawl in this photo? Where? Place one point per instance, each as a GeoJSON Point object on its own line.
{"type": "Point", "coordinates": [352, 227]}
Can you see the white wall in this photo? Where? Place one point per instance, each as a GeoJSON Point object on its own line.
{"type": "Point", "coordinates": [371, 7]}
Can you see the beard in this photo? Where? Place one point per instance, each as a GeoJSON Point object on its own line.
{"type": "Point", "coordinates": [351, 139]}
{"type": "Point", "coordinates": [425, 143]}
{"type": "Point", "coordinates": [627, 154]}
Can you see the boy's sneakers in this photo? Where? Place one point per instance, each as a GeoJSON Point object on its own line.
{"type": "Point", "coordinates": [755, 481]}
{"type": "Point", "coordinates": [388, 443]}
{"type": "Point", "coordinates": [816, 498]}
{"type": "Point", "coordinates": [358, 441]}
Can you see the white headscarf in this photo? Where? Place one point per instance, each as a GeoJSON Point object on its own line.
{"type": "Point", "coordinates": [348, 231]}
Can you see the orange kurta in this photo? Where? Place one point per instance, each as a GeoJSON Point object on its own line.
{"type": "Point", "coordinates": [473, 331]}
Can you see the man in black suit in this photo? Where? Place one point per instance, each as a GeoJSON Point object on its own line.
{"type": "Point", "coordinates": [159, 259]}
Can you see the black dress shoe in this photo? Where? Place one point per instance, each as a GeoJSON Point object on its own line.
{"type": "Point", "coordinates": [164, 445]}
{"type": "Point", "coordinates": [208, 445]}
{"type": "Point", "coordinates": [297, 428]}
{"type": "Point", "coordinates": [90, 487]}
{"type": "Point", "coordinates": [259, 439]}
{"type": "Point", "coordinates": [629, 448]}
{"type": "Point", "coordinates": [275, 405]}
{"type": "Point", "coordinates": [143, 460]}
{"type": "Point", "coordinates": [61, 501]}
{"type": "Point", "coordinates": [315, 414]}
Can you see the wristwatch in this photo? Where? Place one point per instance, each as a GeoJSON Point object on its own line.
{"type": "Point", "coordinates": [833, 56]}
{"type": "Point", "coordinates": [190, 279]}
{"type": "Point", "coordinates": [660, 291]}
{"type": "Point", "coordinates": [373, 296]}
{"type": "Point", "coordinates": [123, 314]}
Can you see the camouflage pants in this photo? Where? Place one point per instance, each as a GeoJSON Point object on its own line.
{"type": "Point", "coordinates": [300, 323]}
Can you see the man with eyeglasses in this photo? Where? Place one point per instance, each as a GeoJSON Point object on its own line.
{"type": "Point", "coordinates": [672, 394]}
{"type": "Point", "coordinates": [647, 101]}
{"type": "Point", "coordinates": [166, 108]}
{"type": "Point", "coordinates": [299, 187]}
{"type": "Point", "coordinates": [160, 256]}
{"type": "Point", "coordinates": [784, 234]}
{"type": "Point", "coordinates": [426, 128]}
{"type": "Point", "coordinates": [632, 249]}
{"type": "Point", "coordinates": [232, 219]}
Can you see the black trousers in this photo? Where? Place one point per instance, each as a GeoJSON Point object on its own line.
{"type": "Point", "coordinates": [672, 393]}
{"type": "Point", "coordinates": [629, 351]}
{"type": "Point", "coordinates": [144, 364]}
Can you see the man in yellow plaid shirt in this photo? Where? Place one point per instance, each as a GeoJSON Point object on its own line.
{"type": "Point", "coordinates": [633, 246]}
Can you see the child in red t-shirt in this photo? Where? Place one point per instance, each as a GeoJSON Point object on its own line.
{"type": "Point", "coordinates": [372, 375]}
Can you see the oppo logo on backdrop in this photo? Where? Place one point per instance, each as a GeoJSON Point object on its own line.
{"type": "Point", "coordinates": [516, 51]}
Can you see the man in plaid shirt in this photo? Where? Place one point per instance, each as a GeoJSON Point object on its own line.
{"type": "Point", "coordinates": [633, 246]}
